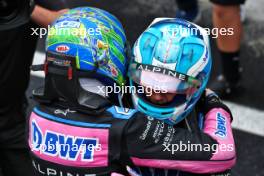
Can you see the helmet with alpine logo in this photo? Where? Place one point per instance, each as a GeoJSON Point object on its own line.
{"type": "Point", "coordinates": [171, 55]}
{"type": "Point", "coordinates": [85, 51]}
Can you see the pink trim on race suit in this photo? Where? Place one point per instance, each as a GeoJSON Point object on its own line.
{"type": "Point", "coordinates": [222, 160]}
{"type": "Point", "coordinates": [100, 157]}
{"type": "Point", "coordinates": [116, 174]}
{"type": "Point", "coordinates": [210, 128]}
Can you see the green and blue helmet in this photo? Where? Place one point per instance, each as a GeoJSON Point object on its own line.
{"type": "Point", "coordinates": [172, 56]}
{"type": "Point", "coordinates": [85, 47]}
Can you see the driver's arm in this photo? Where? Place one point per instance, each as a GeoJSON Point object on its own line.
{"type": "Point", "coordinates": [44, 17]}
{"type": "Point", "coordinates": [153, 143]}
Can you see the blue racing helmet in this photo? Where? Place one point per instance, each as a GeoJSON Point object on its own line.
{"type": "Point", "coordinates": [172, 56]}
{"type": "Point", "coordinates": [86, 50]}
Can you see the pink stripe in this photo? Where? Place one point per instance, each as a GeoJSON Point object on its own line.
{"type": "Point", "coordinates": [100, 158]}
{"type": "Point", "coordinates": [188, 166]}
{"type": "Point", "coordinates": [226, 147]}
{"type": "Point", "coordinates": [116, 174]}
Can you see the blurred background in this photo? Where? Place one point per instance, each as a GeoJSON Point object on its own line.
{"type": "Point", "coordinates": [248, 108]}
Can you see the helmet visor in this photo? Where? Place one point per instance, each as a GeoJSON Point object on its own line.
{"type": "Point", "coordinates": [164, 80]}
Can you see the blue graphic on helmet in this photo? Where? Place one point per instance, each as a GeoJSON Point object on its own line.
{"type": "Point", "coordinates": [179, 46]}
{"type": "Point", "coordinates": [94, 37]}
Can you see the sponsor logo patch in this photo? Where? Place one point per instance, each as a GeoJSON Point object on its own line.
{"type": "Point", "coordinates": [62, 146]}
{"type": "Point", "coordinates": [62, 48]}
{"type": "Point", "coordinates": [220, 125]}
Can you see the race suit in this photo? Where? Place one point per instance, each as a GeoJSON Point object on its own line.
{"type": "Point", "coordinates": [65, 142]}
